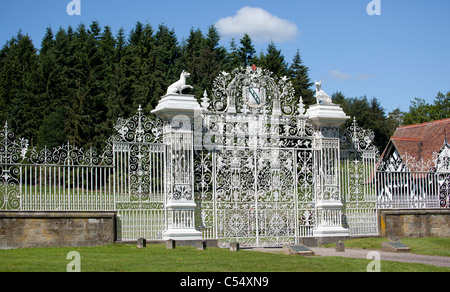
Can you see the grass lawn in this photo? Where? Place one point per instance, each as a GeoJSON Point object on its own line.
{"type": "Point", "coordinates": [156, 258]}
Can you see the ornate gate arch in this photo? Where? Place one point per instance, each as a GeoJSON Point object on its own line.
{"type": "Point", "coordinates": [254, 173]}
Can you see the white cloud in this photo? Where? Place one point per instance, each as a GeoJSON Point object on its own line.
{"type": "Point", "coordinates": [339, 75]}
{"type": "Point", "coordinates": [345, 76]}
{"type": "Point", "coordinates": [259, 24]}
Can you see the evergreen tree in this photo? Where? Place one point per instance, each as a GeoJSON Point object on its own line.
{"type": "Point", "coordinates": [119, 103]}
{"type": "Point", "coordinates": [167, 52]}
{"type": "Point", "coordinates": [53, 134]}
{"type": "Point", "coordinates": [298, 74]}
{"type": "Point", "coordinates": [211, 60]}
{"type": "Point", "coordinates": [232, 59]}
{"type": "Point", "coordinates": [19, 63]}
{"type": "Point", "coordinates": [273, 61]}
{"type": "Point", "coordinates": [79, 121]}
{"type": "Point", "coordinates": [104, 78]}
{"type": "Point", "coordinates": [190, 60]}
{"type": "Point", "coordinates": [142, 52]}
{"type": "Point", "coordinates": [247, 51]}
{"type": "Point", "coordinates": [56, 71]}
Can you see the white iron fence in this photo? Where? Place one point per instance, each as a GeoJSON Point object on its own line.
{"type": "Point", "coordinates": [412, 190]}
{"type": "Point", "coordinates": [259, 195]}
{"type": "Point", "coordinates": [259, 168]}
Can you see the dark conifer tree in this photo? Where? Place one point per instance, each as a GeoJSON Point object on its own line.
{"type": "Point", "coordinates": [298, 74]}
{"type": "Point", "coordinates": [246, 51]}
{"type": "Point", "coordinates": [19, 63]}
{"type": "Point", "coordinates": [273, 61]}
{"type": "Point", "coordinates": [167, 52]}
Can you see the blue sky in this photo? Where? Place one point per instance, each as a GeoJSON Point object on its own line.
{"type": "Point", "coordinates": [396, 56]}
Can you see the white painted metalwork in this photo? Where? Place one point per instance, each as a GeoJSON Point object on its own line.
{"type": "Point", "coordinates": [254, 171]}
{"type": "Point", "coordinates": [409, 184]}
{"type": "Point", "coordinates": [358, 182]}
{"type": "Point", "coordinates": [248, 164]}
{"type": "Point", "coordinates": [139, 179]}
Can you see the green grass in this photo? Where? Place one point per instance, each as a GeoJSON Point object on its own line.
{"type": "Point", "coordinates": [156, 258]}
{"type": "Point", "coordinates": [429, 246]}
{"type": "Point", "coordinates": [438, 246]}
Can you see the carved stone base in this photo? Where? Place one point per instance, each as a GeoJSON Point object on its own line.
{"type": "Point", "coordinates": [181, 222]}
{"type": "Point", "coordinates": [174, 104]}
{"type": "Point", "coordinates": [326, 115]}
{"type": "Point", "coordinates": [329, 219]}
{"type": "Point", "coordinates": [330, 231]}
{"type": "Point", "coordinates": [182, 234]}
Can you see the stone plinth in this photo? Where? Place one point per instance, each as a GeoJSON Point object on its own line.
{"type": "Point", "coordinates": [141, 243]}
{"type": "Point", "coordinates": [329, 217]}
{"type": "Point", "coordinates": [413, 223]}
{"type": "Point", "coordinates": [173, 105]}
{"type": "Point", "coordinates": [326, 115]}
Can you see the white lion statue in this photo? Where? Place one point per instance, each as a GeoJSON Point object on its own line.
{"type": "Point", "coordinates": [321, 96]}
{"type": "Point", "coordinates": [180, 85]}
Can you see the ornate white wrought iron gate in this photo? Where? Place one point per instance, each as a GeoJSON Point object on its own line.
{"type": "Point", "coordinates": [139, 178]}
{"type": "Point", "coordinates": [139, 189]}
{"type": "Point", "coordinates": [358, 180]}
{"type": "Point", "coordinates": [259, 197]}
{"type": "Point", "coordinates": [262, 172]}
{"type": "Point", "coordinates": [254, 173]}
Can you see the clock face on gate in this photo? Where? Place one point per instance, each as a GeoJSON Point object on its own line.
{"type": "Point", "coordinates": [254, 96]}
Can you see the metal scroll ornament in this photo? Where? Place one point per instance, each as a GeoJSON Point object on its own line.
{"type": "Point", "coordinates": [254, 89]}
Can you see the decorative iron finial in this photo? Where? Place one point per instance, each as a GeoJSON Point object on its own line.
{"type": "Point", "coordinates": [205, 100]}
{"type": "Point", "coordinates": [301, 107]}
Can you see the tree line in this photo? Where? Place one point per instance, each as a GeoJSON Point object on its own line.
{"type": "Point", "coordinates": [75, 86]}
{"type": "Point", "coordinates": [81, 80]}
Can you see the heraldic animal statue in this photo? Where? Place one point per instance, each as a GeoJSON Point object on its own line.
{"type": "Point", "coordinates": [321, 96]}
{"type": "Point", "coordinates": [180, 85]}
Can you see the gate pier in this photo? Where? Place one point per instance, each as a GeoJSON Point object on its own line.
{"type": "Point", "coordinates": [327, 118]}
{"type": "Point", "coordinates": [177, 112]}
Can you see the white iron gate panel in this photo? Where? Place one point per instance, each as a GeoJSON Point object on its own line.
{"type": "Point", "coordinates": [358, 180]}
{"type": "Point", "coordinates": [258, 197]}
{"type": "Point", "coordinates": [139, 188]}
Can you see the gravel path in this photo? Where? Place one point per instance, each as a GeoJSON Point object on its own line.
{"type": "Point", "coordinates": [439, 261]}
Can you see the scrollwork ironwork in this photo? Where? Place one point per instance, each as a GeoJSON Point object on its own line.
{"type": "Point", "coordinates": [231, 90]}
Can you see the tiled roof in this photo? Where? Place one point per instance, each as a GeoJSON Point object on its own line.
{"type": "Point", "coordinates": [421, 140]}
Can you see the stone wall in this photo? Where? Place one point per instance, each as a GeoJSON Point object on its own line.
{"type": "Point", "coordinates": [414, 223]}
{"type": "Point", "coordinates": [56, 229]}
